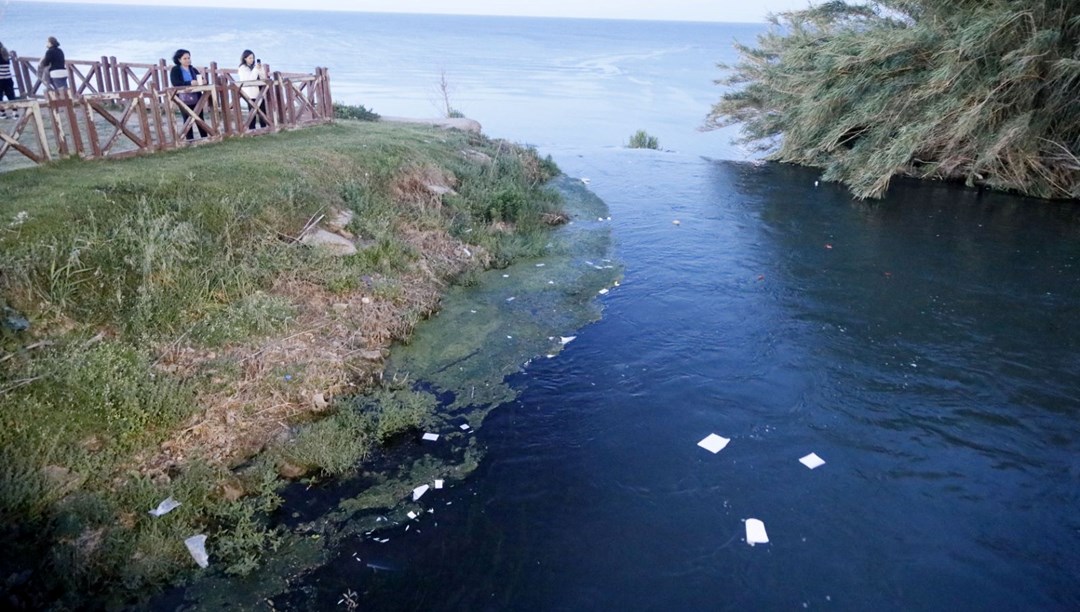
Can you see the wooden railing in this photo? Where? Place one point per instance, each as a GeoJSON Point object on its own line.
{"type": "Point", "coordinates": [116, 109]}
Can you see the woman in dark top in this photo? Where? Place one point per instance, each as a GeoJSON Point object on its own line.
{"type": "Point", "coordinates": [183, 74]}
{"type": "Point", "coordinates": [53, 69]}
{"type": "Point", "coordinates": [7, 83]}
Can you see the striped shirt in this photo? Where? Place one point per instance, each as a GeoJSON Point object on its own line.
{"type": "Point", "coordinates": [5, 70]}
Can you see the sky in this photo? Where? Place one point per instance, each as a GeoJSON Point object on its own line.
{"type": "Point", "coordinates": [679, 10]}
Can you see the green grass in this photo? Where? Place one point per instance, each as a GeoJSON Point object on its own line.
{"type": "Point", "coordinates": [116, 262]}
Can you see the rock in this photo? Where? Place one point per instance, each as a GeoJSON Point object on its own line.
{"type": "Point", "coordinates": [290, 471]}
{"type": "Point", "coordinates": [231, 490]}
{"type": "Point", "coordinates": [477, 156]}
{"type": "Point", "coordinates": [319, 400]}
{"type": "Point", "coordinates": [371, 355]}
{"type": "Point", "coordinates": [61, 479]}
{"type": "Point", "coordinates": [340, 307]}
{"type": "Point", "coordinates": [440, 190]}
{"type": "Point", "coordinates": [320, 238]}
{"type": "Point", "coordinates": [449, 123]}
{"type": "Point", "coordinates": [339, 220]}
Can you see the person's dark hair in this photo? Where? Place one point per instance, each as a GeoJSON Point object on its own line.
{"type": "Point", "coordinates": [246, 53]}
{"type": "Point", "coordinates": [53, 41]}
{"type": "Point", "coordinates": [179, 53]}
{"type": "Point", "coordinates": [5, 57]}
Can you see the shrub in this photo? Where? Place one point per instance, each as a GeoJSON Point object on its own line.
{"type": "Point", "coordinates": [358, 112]}
{"type": "Point", "coordinates": [642, 140]}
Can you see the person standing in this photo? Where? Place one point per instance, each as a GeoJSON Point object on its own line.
{"type": "Point", "coordinates": [7, 82]}
{"type": "Point", "coordinates": [183, 74]}
{"type": "Point", "coordinates": [250, 70]}
{"type": "Point", "coordinates": [53, 68]}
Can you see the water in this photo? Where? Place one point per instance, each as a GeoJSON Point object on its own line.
{"type": "Point", "coordinates": [925, 346]}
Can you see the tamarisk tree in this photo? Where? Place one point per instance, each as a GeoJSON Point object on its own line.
{"type": "Point", "coordinates": [984, 91]}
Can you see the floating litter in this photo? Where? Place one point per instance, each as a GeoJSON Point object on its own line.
{"type": "Point", "coordinates": [566, 339]}
{"type": "Point", "coordinates": [676, 222]}
{"type": "Point", "coordinates": [431, 437]}
{"type": "Point", "coordinates": [439, 483]}
{"type": "Point", "coordinates": [506, 276]}
{"type": "Point", "coordinates": [714, 443]}
{"type": "Point", "coordinates": [412, 514]}
{"type": "Point", "coordinates": [603, 292]}
{"type": "Point", "coordinates": [464, 426]}
{"type": "Point", "coordinates": [812, 461]}
{"type": "Point", "coordinates": [540, 265]}
{"type": "Point", "coordinates": [511, 299]}
{"type": "Point", "coordinates": [196, 545]}
{"type": "Point", "coordinates": [755, 532]}
{"type": "Point", "coordinates": [165, 507]}
{"type": "Point", "coordinates": [418, 492]}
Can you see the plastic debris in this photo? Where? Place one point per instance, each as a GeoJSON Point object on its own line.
{"type": "Point", "coordinates": [714, 443]}
{"type": "Point", "coordinates": [464, 427]}
{"type": "Point", "coordinates": [439, 483]}
{"type": "Point", "coordinates": [468, 253]}
{"type": "Point", "coordinates": [412, 514]}
{"type": "Point", "coordinates": [755, 532]}
{"type": "Point", "coordinates": [418, 492]}
{"type": "Point", "coordinates": [165, 507]}
{"type": "Point", "coordinates": [196, 545]}
{"type": "Point", "coordinates": [511, 299]}
{"type": "Point", "coordinates": [540, 265]}
{"type": "Point", "coordinates": [676, 222]}
{"type": "Point", "coordinates": [506, 276]}
{"type": "Point", "coordinates": [603, 291]}
{"type": "Point", "coordinates": [812, 461]}
{"type": "Point", "coordinates": [564, 340]}
{"type": "Point", "coordinates": [431, 437]}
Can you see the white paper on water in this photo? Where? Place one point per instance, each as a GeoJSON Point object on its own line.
{"type": "Point", "coordinates": [714, 443]}
{"type": "Point", "coordinates": [439, 483]}
{"type": "Point", "coordinates": [812, 461]}
{"type": "Point", "coordinates": [755, 532]}
{"type": "Point", "coordinates": [418, 492]}
{"type": "Point", "coordinates": [431, 437]}
{"type": "Point", "coordinates": [412, 514]}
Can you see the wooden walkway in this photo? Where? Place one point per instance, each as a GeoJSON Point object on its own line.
{"type": "Point", "coordinates": [118, 109]}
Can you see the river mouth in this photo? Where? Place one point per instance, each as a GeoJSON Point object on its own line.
{"type": "Point", "coordinates": [464, 356]}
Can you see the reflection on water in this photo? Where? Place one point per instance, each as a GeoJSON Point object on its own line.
{"type": "Point", "coordinates": [924, 346]}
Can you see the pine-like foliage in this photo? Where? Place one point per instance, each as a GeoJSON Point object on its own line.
{"type": "Point", "coordinates": [985, 91]}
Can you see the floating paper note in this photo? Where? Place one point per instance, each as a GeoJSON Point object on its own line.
{"type": "Point", "coordinates": [464, 426]}
{"type": "Point", "coordinates": [431, 437]}
{"type": "Point", "coordinates": [196, 545]}
{"type": "Point", "coordinates": [714, 443]}
{"type": "Point", "coordinates": [418, 492]}
{"type": "Point", "coordinates": [566, 339]}
{"type": "Point", "coordinates": [755, 532]}
{"type": "Point", "coordinates": [412, 514]}
{"type": "Point", "coordinates": [165, 507]}
{"type": "Point", "coordinates": [812, 461]}
{"type": "Point", "coordinates": [439, 484]}
{"type": "Point", "coordinates": [603, 292]}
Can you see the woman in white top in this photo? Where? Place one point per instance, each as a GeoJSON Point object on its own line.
{"type": "Point", "coordinates": [251, 69]}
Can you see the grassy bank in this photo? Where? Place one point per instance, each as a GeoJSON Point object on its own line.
{"type": "Point", "coordinates": [164, 332]}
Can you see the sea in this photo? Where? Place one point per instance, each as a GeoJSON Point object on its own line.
{"type": "Point", "coordinates": [924, 346]}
